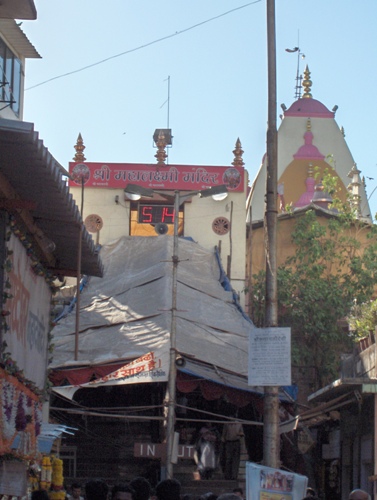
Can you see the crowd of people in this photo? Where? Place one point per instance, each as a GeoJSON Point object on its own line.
{"type": "Point", "coordinates": [354, 495]}
{"type": "Point", "coordinates": [167, 489]}
{"type": "Point", "coordinates": [138, 488]}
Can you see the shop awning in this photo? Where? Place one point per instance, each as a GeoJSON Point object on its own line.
{"type": "Point", "coordinates": [18, 9]}
{"type": "Point", "coordinates": [344, 386]}
{"type": "Point", "coordinates": [49, 433]}
{"type": "Point", "coordinates": [30, 177]}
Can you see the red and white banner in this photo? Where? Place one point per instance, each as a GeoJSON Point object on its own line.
{"type": "Point", "coordinates": [151, 367]}
{"type": "Point", "coordinates": [153, 176]}
{"type": "Point", "coordinates": [29, 316]}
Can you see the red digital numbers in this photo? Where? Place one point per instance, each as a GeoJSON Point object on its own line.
{"type": "Point", "coordinates": [147, 215]}
{"type": "Point", "coordinates": [153, 214]}
{"type": "Point", "coordinates": [167, 215]}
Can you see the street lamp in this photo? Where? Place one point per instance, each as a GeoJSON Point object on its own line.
{"type": "Point", "coordinates": [179, 198]}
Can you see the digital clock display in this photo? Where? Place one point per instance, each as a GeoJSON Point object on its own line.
{"type": "Point", "coordinates": [153, 214]}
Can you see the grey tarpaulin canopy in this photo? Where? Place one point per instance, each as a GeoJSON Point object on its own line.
{"type": "Point", "coordinates": [127, 313]}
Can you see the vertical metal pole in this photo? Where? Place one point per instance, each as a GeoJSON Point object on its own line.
{"type": "Point", "coordinates": [79, 252]}
{"type": "Point", "coordinates": [172, 366]}
{"type": "Point", "coordinates": [271, 438]}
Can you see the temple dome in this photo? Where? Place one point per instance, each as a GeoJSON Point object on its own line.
{"type": "Point", "coordinates": [309, 108]}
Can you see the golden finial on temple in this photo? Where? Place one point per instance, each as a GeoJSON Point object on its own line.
{"type": "Point", "coordinates": [161, 154]}
{"type": "Point", "coordinates": [238, 152]}
{"type": "Point", "coordinates": [79, 156]}
{"type": "Point", "coordinates": [307, 83]}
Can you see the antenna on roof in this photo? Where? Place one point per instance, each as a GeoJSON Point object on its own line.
{"type": "Point", "coordinates": [298, 76]}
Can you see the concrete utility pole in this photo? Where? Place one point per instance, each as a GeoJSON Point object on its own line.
{"type": "Point", "coordinates": [271, 438]}
{"type": "Point", "coordinates": [173, 348]}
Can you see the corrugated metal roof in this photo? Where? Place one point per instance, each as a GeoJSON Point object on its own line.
{"type": "Point", "coordinates": [36, 176]}
{"type": "Point", "coordinates": [18, 9]}
{"type": "Point", "coordinates": [16, 38]}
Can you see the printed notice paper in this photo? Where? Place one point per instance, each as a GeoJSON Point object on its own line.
{"type": "Point", "coordinates": [270, 357]}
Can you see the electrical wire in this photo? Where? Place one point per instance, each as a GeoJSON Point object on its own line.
{"type": "Point", "coordinates": [142, 46]}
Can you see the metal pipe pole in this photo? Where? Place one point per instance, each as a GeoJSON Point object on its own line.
{"type": "Point", "coordinates": [79, 253]}
{"type": "Point", "coordinates": [172, 365]}
{"type": "Point", "coordinates": [271, 438]}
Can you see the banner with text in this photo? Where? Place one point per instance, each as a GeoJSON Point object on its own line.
{"type": "Point", "coordinates": [151, 367]}
{"type": "Point", "coordinates": [153, 176]}
{"type": "Point", "coordinates": [266, 483]}
{"type": "Point", "coordinates": [29, 315]}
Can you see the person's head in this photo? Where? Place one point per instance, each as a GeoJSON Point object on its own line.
{"type": "Point", "coordinates": [359, 495]}
{"type": "Point", "coordinates": [76, 490]}
{"type": "Point", "coordinates": [310, 492]}
{"type": "Point", "coordinates": [228, 496]}
{"type": "Point", "coordinates": [39, 495]}
{"type": "Point", "coordinates": [142, 488]}
{"type": "Point", "coordinates": [168, 489]}
{"type": "Point", "coordinates": [208, 496]}
{"type": "Point", "coordinates": [122, 491]}
{"type": "Point", "coordinates": [96, 489]}
{"type": "Point", "coordinates": [238, 491]}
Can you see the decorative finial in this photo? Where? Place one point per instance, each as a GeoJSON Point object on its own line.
{"type": "Point", "coordinates": [354, 175]}
{"type": "Point", "coordinates": [308, 125]}
{"type": "Point", "coordinates": [79, 156]}
{"type": "Point", "coordinates": [238, 152]}
{"type": "Point", "coordinates": [307, 83]}
{"type": "Point", "coordinates": [321, 197]}
{"type": "Point", "coordinates": [310, 170]}
{"type": "Point", "coordinates": [161, 154]}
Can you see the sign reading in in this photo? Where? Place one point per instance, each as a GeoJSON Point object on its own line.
{"type": "Point", "coordinates": [169, 177]}
{"type": "Point", "coordinates": [158, 450]}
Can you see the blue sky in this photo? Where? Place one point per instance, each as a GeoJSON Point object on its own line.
{"type": "Point", "coordinates": [214, 53]}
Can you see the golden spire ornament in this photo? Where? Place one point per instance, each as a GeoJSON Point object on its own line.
{"type": "Point", "coordinates": [238, 152]}
{"type": "Point", "coordinates": [79, 156]}
{"type": "Point", "coordinates": [307, 84]}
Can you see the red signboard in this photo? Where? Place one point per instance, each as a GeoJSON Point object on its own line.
{"type": "Point", "coordinates": [166, 177]}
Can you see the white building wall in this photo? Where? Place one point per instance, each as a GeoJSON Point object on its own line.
{"type": "Point", "coordinates": [199, 215]}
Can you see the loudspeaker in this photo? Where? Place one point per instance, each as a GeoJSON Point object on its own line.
{"type": "Point", "coordinates": [161, 228]}
{"type": "Point", "coordinates": [179, 361]}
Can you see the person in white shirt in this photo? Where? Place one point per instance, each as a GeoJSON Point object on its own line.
{"type": "Point", "coordinates": [75, 492]}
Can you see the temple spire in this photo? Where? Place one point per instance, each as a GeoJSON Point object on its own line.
{"type": "Point", "coordinates": [79, 156]}
{"type": "Point", "coordinates": [238, 152]}
{"type": "Point", "coordinates": [307, 83]}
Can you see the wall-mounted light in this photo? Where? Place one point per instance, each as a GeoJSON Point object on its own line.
{"type": "Point", "coordinates": [213, 191]}
{"type": "Point", "coordinates": [117, 199]}
{"type": "Point", "coordinates": [219, 196]}
{"type": "Point", "coordinates": [134, 192]}
{"type": "Point", "coordinates": [335, 108]}
{"type": "Point", "coordinates": [132, 196]}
